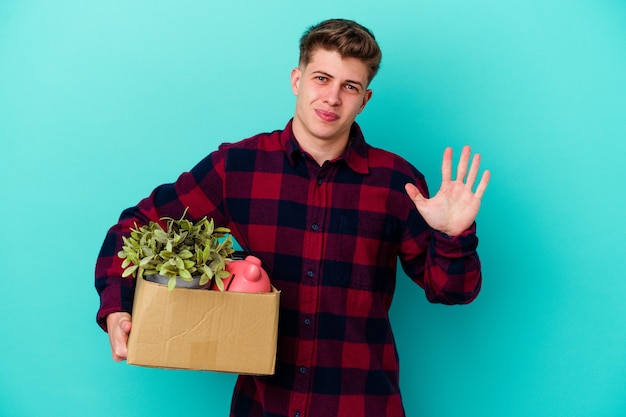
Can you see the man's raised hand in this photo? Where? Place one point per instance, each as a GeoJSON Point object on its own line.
{"type": "Point", "coordinates": [455, 206]}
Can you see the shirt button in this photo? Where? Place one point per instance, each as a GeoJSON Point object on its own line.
{"type": "Point", "coordinates": [315, 227]}
{"type": "Point", "coordinates": [296, 414]}
{"type": "Point", "coordinates": [308, 321]}
{"type": "Point", "coordinates": [310, 273]}
{"type": "Point", "coordinates": [303, 370]}
{"type": "Point", "coordinates": [319, 182]}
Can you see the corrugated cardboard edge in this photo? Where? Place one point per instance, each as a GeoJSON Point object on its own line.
{"type": "Point", "coordinates": [156, 325]}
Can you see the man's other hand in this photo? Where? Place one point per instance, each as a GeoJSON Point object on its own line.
{"type": "Point", "coordinates": [118, 326]}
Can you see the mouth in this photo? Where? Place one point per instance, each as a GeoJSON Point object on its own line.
{"type": "Point", "coordinates": [327, 116]}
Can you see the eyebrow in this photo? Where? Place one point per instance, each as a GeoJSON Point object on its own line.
{"type": "Point", "coordinates": [325, 74]}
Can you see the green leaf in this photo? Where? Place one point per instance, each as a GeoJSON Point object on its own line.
{"type": "Point", "coordinates": [166, 254]}
{"type": "Point", "coordinates": [222, 274]}
{"type": "Point", "coordinates": [129, 271]}
{"type": "Point", "coordinates": [129, 241]}
{"type": "Point", "coordinates": [219, 283]}
{"type": "Point", "coordinates": [217, 265]}
{"type": "Point", "coordinates": [171, 283]}
{"type": "Point", "coordinates": [145, 261]}
{"type": "Point", "coordinates": [185, 254]}
{"type": "Point", "coordinates": [184, 274]}
{"type": "Point", "coordinates": [179, 263]}
{"type": "Point", "coordinates": [208, 271]}
{"type": "Point", "coordinates": [161, 236]}
{"type": "Point", "coordinates": [206, 252]}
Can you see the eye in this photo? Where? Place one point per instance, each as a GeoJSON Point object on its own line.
{"type": "Point", "coordinates": [321, 78]}
{"type": "Point", "coordinates": [352, 88]}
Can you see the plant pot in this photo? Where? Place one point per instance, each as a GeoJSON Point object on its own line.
{"type": "Point", "coordinates": [180, 283]}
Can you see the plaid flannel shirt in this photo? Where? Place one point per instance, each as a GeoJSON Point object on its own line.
{"type": "Point", "coordinates": [329, 236]}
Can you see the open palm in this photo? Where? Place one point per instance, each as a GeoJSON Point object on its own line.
{"type": "Point", "coordinates": [455, 206]}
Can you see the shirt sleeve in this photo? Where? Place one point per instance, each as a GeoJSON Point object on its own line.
{"type": "Point", "coordinates": [453, 270]}
{"type": "Point", "coordinates": [200, 191]}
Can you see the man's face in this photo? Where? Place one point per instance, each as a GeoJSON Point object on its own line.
{"type": "Point", "coordinates": [330, 91]}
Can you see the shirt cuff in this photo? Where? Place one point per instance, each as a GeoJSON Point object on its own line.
{"type": "Point", "coordinates": [115, 298]}
{"type": "Point", "coordinates": [456, 246]}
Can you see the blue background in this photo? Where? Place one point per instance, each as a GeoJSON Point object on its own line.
{"type": "Point", "coordinates": [102, 101]}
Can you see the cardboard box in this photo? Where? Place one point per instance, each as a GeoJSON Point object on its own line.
{"type": "Point", "coordinates": [204, 330]}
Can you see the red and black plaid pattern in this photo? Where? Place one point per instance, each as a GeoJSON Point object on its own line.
{"type": "Point", "coordinates": [330, 238]}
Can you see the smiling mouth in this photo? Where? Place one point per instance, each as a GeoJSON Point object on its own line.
{"type": "Point", "coordinates": [327, 116]}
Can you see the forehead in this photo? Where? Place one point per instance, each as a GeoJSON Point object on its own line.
{"type": "Point", "coordinates": [333, 64]}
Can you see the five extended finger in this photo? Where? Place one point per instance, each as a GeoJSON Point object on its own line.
{"type": "Point", "coordinates": [482, 185]}
{"type": "Point", "coordinates": [413, 193]}
{"type": "Point", "coordinates": [473, 172]}
{"type": "Point", "coordinates": [463, 163]}
{"type": "Point", "coordinates": [462, 171]}
{"type": "Point", "coordinates": [446, 165]}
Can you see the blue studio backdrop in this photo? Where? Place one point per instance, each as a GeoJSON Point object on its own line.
{"type": "Point", "coordinates": [102, 101]}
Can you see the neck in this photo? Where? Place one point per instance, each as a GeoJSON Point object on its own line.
{"type": "Point", "coordinates": [320, 149]}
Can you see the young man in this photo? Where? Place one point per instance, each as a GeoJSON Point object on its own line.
{"type": "Point", "coordinates": [329, 216]}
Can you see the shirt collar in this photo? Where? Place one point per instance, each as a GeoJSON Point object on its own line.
{"type": "Point", "coordinates": [355, 155]}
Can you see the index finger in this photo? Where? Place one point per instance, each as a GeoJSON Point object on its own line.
{"type": "Point", "coordinates": [482, 185]}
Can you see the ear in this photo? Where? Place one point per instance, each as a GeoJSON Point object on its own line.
{"type": "Point", "coordinates": [295, 80]}
{"type": "Point", "coordinates": [366, 98]}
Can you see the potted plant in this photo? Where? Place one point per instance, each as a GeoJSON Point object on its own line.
{"type": "Point", "coordinates": [185, 254]}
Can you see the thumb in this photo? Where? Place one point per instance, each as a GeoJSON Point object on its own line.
{"type": "Point", "coordinates": [414, 193]}
{"type": "Point", "coordinates": [125, 325]}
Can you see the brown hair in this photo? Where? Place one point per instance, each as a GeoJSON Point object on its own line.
{"type": "Point", "coordinates": [348, 38]}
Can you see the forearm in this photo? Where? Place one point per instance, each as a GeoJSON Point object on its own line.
{"type": "Point", "coordinates": [191, 190]}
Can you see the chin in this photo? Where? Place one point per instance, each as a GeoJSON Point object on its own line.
{"type": "Point", "coordinates": [326, 134]}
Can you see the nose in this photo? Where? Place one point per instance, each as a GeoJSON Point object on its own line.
{"type": "Point", "coordinates": [333, 96]}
